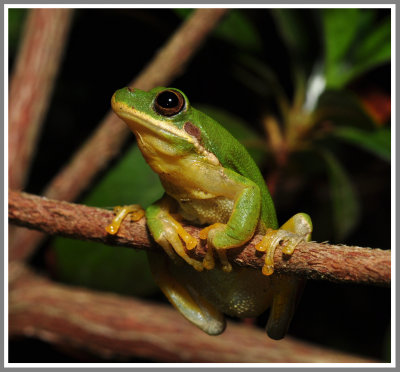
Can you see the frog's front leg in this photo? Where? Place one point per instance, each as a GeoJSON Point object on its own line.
{"type": "Point", "coordinates": [169, 233]}
{"type": "Point", "coordinates": [296, 230]}
{"type": "Point", "coordinates": [240, 226]}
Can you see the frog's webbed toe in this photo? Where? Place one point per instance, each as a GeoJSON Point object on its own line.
{"type": "Point", "coordinates": [172, 244]}
{"type": "Point", "coordinates": [186, 299]}
{"type": "Point", "coordinates": [293, 232]}
{"type": "Point", "coordinates": [134, 210]}
{"type": "Point", "coordinates": [220, 237]}
{"type": "Point", "coordinates": [171, 235]}
{"type": "Point", "coordinates": [209, 234]}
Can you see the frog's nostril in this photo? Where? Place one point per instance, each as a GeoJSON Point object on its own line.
{"type": "Point", "coordinates": [131, 89]}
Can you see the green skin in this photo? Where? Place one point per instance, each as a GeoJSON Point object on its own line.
{"type": "Point", "coordinates": [209, 178]}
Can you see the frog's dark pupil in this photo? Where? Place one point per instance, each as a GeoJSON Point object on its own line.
{"type": "Point", "coordinates": [169, 103]}
{"type": "Point", "coordinates": [168, 99]}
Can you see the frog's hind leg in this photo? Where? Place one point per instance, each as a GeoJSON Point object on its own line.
{"type": "Point", "coordinates": [285, 299]}
{"type": "Point", "coordinates": [189, 303]}
{"type": "Point", "coordinates": [288, 287]}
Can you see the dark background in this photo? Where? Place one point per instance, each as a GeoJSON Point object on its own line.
{"type": "Point", "coordinates": [106, 48]}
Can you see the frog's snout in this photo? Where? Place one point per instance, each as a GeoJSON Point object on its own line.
{"type": "Point", "coordinates": [122, 95]}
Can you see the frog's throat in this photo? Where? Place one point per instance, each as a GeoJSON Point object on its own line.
{"type": "Point", "coordinates": [137, 120]}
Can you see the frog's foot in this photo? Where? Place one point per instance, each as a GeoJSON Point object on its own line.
{"type": "Point", "coordinates": [269, 243]}
{"type": "Point", "coordinates": [171, 235]}
{"type": "Point", "coordinates": [218, 239]}
{"type": "Point", "coordinates": [208, 260]}
{"type": "Point", "coordinates": [295, 231]}
{"type": "Point", "coordinates": [135, 211]}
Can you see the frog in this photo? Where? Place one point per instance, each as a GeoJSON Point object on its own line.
{"type": "Point", "coordinates": [211, 181]}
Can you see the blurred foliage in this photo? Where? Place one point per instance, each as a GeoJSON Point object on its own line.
{"type": "Point", "coordinates": [346, 208]}
{"type": "Point", "coordinates": [95, 265]}
{"type": "Point", "coordinates": [235, 28]}
{"type": "Point", "coordinates": [354, 43]}
{"type": "Point", "coordinates": [16, 19]}
{"type": "Point", "coordinates": [322, 110]}
{"type": "Point", "coordinates": [377, 142]}
{"type": "Point", "coordinates": [289, 84]}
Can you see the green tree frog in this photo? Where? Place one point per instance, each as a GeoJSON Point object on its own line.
{"type": "Point", "coordinates": [210, 180]}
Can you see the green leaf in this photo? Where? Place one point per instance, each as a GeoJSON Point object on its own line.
{"type": "Point", "coordinates": [372, 50]}
{"type": "Point", "coordinates": [340, 30]}
{"type": "Point", "coordinates": [104, 267]}
{"type": "Point", "coordinates": [342, 108]}
{"type": "Point", "coordinates": [354, 43]}
{"type": "Point", "coordinates": [377, 42]}
{"type": "Point", "coordinates": [183, 12]}
{"type": "Point", "coordinates": [237, 29]}
{"type": "Point", "coordinates": [346, 209]}
{"type": "Point", "coordinates": [16, 18]}
{"type": "Point", "coordinates": [376, 142]}
{"type": "Point", "coordinates": [239, 129]}
{"type": "Point", "coordinates": [234, 28]}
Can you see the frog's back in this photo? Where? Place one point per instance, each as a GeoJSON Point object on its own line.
{"type": "Point", "coordinates": [233, 155]}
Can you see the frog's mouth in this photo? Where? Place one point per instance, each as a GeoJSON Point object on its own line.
{"type": "Point", "coordinates": [138, 121]}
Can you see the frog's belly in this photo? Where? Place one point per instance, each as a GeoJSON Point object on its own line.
{"type": "Point", "coordinates": [206, 211]}
{"type": "Point", "coordinates": [242, 293]}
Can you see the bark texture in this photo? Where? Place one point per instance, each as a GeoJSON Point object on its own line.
{"type": "Point", "coordinates": [114, 326]}
{"type": "Point", "coordinates": [31, 86]}
{"type": "Point", "coordinates": [337, 263]}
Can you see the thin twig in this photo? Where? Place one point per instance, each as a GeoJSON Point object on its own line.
{"type": "Point", "coordinates": [113, 326]}
{"type": "Point", "coordinates": [312, 260]}
{"type": "Point", "coordinates": [31, 85]}
{"type": "Point", "coordinates": [107, 140]}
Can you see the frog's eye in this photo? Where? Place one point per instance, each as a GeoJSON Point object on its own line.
{"type": "Point", "coordinates": [169, 102]}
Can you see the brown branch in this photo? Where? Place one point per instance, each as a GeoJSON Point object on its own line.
{"type": "Point", "coordinates": [107, 140]}
{"type": "Point", "coordinates": [311, 260]}
{"type": "Point", "coordinates": [113, 326]}
{"type": "Point", "coordinates": [31, 85]}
